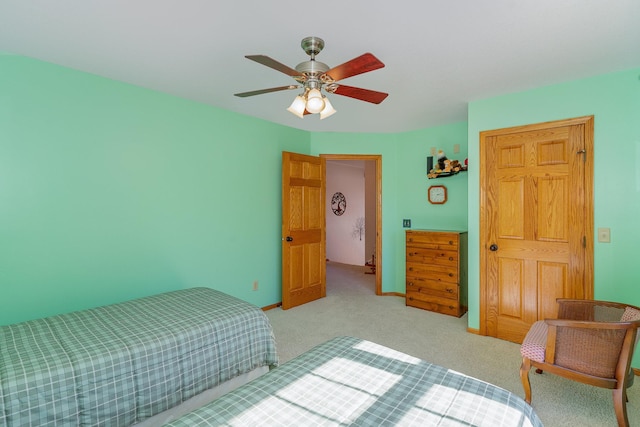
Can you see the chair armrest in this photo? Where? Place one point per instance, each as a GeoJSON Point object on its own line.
{"type": "Point", "coordinates": [562, 301]}
{"type": "Point", "coordinates": [585, 324]}
{"type": "Point", "coordinates": [594, 310]}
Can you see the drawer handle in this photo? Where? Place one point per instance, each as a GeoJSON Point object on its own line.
{"type": "Point", "coordinates": [450, 258]}
{"type": "Point", "coordinates": [451, 307]}
{"type": "Point", "coordinates": [410, 268]}
{"type": "Point", "coordinates": [450, 274]}
{"type": "Point", "coordinates": [451, 242]}
{"type": "Point", "coordinates": [450, 290]}
{"type": "Point", "coordinates": [411, 239]}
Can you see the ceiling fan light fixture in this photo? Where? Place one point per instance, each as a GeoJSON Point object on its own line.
{"type": "Point", "coordinates": [297, 106]}
{"type": "Point", "coordinates": [328, 109]}
{"type": "Point", "coordinates": [312, 76]}
{"type": "Point", "coordinates": [315, 103]}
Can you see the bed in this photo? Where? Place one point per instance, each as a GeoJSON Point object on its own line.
{"type": "Point", "coordinates": [142, 361]}
{"type": "Point", "coordinates": [350, 381]}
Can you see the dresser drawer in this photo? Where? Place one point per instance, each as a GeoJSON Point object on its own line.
{"type": "Point", "coordinates": [433, 288]}
{"type": "Point", "coordinates": [441, 273]}
{"type": "Point", "coordinates": [434, 240]}
{"type": "Point", "coordinates": [427, 302]}
{"type": "Point", "coordinates": [432, 256]}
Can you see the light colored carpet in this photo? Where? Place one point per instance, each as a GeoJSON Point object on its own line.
{"type": "Point", "coordinates": [352, 308]}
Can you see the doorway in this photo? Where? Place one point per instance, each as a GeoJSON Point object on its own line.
{"type": "Point", "coordinates": [536, 223]}
{"type": "Point", "coordinates": [376, 161]}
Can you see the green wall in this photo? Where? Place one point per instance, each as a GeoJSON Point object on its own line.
{"type": "Point", "coordinates": [614, 100]}
{"type": "Point", "coordinates": [404, 185]}
{"type": "Point", "coordinates": [109, 192]}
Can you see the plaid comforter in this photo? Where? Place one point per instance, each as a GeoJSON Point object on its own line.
{"type": "Point", "coordinates": [120, 364]}
{"type": "Point", "coordinates": [349, 381]}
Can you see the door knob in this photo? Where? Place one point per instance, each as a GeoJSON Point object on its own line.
{"type": "Point", "coordinates": [493, 247]}
{"type": "Point", "coordinates": [289, 239]}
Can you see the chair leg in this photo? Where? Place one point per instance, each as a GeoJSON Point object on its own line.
{"type": "Point", "coordinates": [524, 376]}
{"type": "Point", "coordinates": [620, 405]}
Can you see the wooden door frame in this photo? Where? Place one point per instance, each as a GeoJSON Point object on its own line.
{"type": "Point", "coordinates": [378, 163]}
{"type": "Point", "coordinates": [587, 122]}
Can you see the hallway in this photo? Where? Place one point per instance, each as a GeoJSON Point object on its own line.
{"type": "Point", "coordinates": [346, 279]}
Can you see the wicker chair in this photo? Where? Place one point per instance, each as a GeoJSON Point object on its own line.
{"type": "Point", "coordinates": [591, 342]}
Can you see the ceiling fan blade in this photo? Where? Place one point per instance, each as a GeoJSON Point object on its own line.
{"type": "Point", "coordinates": [362, 94]}
{"type": "Point", "coordinates": [362, 64]}
{"type": "Point", "coordinates": [272, 63]}
{"type": "Point", "coordinates": [261, 91]}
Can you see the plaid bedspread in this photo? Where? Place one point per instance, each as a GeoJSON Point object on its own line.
{"type": "Point", "coordinates": [349, 381]}
{"type": "Point", "coordinates": [120, 364]}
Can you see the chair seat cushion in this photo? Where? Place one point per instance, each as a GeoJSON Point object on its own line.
{"type": "Point", "coordinates": [535, 342]}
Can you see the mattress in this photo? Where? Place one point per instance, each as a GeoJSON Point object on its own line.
{"type": "Point", "coordinates": [121, 364]}
{"type": "Point", "coordinates": [352, 382]}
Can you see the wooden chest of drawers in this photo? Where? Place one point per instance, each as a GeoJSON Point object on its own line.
{"type": "Point", "coordinates": [436, 271]}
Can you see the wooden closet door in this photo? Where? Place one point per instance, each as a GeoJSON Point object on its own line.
{"type": "Point", "coordinates": [536, 223]}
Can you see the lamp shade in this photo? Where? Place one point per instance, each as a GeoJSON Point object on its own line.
{"type": "Point", "coordinates": [315, 103]}
{"type": "Point", "coordinates": [297, 107]}
{"type": "Point", "coordinates": [328, 109]}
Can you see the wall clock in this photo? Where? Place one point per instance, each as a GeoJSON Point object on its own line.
{"type": "Point", "coordinates": [338, 203]}
{"type": "Point", "coordinates": [437, 194]}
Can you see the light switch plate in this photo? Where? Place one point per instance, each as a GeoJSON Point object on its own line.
{"type": "Point", "coordinates": [604, 235]}
{"type": "Point", "coordinates": [406, 223]}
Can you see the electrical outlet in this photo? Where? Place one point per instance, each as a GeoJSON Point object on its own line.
{"type": "Point", "coordinates": [433, 151]}
{"type": "Point", "coordinates": [456, 148]}
{"type": "Point", "coordinates": [255, 285]}
{"type": "Point", "coordinates": [604, 235]}
{"type": "Point", "coordinates": [406, 223]}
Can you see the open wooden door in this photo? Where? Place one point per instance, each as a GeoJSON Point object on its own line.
{"type": "Point", "coordinates": [536, 223]}
{"type": "Point", "coordinates": [303, 229]}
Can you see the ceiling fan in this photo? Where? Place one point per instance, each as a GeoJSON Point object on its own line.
{"type": "Point", "coordinates": [313, 76]}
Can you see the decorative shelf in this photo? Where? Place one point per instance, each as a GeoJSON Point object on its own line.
{"type": "Point", "coordinates": [444, 174]}
{"type": "Point", "coordinates": [444, 167]}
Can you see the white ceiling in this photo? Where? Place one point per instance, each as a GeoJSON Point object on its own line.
{"type": "Point", "coordinates": [439, 54]}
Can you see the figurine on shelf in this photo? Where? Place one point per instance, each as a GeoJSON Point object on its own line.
{"type": "Point", "coordinates": [442, 158]}
{"type": "Point", "coordinates": [445, 167]}
{"type": "Point", "coordinates": [453, 166]}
